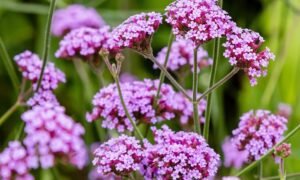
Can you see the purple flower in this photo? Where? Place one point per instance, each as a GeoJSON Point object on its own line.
{"type": "Point", "coordinates": [136, 31]}
{"type": "Point", "coordinates": [230, 178]}
{"type": "Point", "coordinates": [30, 65]}
{"type": "Point", "coordinates": [41, 98]}
{"type": "Point", "coordinates": [16, 162]}
{"type": "Point", "coordinates": [181, 55]}
{"type": "Point", "coordinates": [284, 110]}
{"type": "Point", "coordinates": [180, 155]}
{"type": "Point", "coordinates": [119, 156]}
{"type": "Point", "coordinates": [231, 153]}
{"type": "Point", "coordinates": [258, 132]}
{"type": "Point", "coordinates": [139, 97]}
{"type": "Point", "coordinates": [84, 42]}
{"type": "Point", "coordinates": [127, 77]}
{"type": "Point", "coordinates": [198, 20]}
{"type": "Point", "coordinates": [242, 47]}
{"type": "Point", "coordinates": [73, 17]}
{"type": "Point", "coordinates": [52, 134]}
{"type": "Point", "coordinates": [183, 108]}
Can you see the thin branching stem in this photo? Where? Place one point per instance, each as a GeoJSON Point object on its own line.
{"type": "Point", "coordinates": [46, 42]}
{"type": "Point", "coordinates": [255, 163]}
{"type": "Point", "coordinates": [197, 127]}
{"type": "Point", "coordinates": [9, 112]}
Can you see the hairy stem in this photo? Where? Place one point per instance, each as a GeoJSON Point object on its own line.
{"type": "Point", "coordinates": [197, 128]}
{"type": "Point", "coordinates": [255, 163]}
{"type": "Point", "coordinates": [162, 74]}
{"type": "Point", "coordinates": [46, 42]}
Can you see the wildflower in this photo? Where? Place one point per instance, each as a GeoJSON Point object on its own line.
{"type": "Point", "coordinates": [16, 162]}
{"type": "Point", "coordinates": [198, 20]}
{"type": "Point", "coordinates": [284, 110]}
{"type": "Point", "coordinates": [52, 134]}
{"type": "Point", "coordinates": [30, 65]}
{"type": "Point", "coordinates": [179, 155]}
{"type": "Point", "coordinates": [41, 98]}
{"type": "Point", "coordinates": [181, 55]}
{"type": "Point", "coordinates": [136, 32]}
{"type": "Point", "coordinates": [258, 132]}
{"type": "Point", "coordinates": [230, 178]}
{"type": "Point", "coordinates": [119, 156]}
{"type": "Point", "coordinates": [127, 77]}
{"type": "Point", "coordinates": [242, 47]}
{"type": "Point", "coordinates": [139, 97]}
{"type": "Point", "coordinates": [231, 153]}
{"type": "Point", "coordinates": [282, 151]}
{"type": "Point", "coordinates": [84, 42]}
{"type": "Point", "coordinates": [73, 17]}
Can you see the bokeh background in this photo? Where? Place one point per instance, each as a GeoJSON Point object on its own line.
{"type": "Point", "coordinates": [22, 26]}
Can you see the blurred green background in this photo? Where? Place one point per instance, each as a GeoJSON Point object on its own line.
{"type": "Point", "coordinates": [278, 21]}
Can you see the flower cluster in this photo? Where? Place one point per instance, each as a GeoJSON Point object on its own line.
{"type": "Point", "coordinates": [84, 42]}
{"type": "Point", "coordinates": [183, 108]}
{"type": "Point", "coordinates": [258, 132]}
{"type": "Point", "coordinates": [284, 110]}
{"type": "Point", "coordinates": [198, 20]}
{"type": "Point", "coordinates": [136, 31]}
{"type": "Point", "coordinates": [242, 47]}
{"type": "Point", "coordinates": [181, 55]}
{"type": "Point", "coordinates": [120, 156]}
{"type": "Point", "coordinates": [15, 162]}
{"type": "Point", "coordinates": [42, 98]}
{"type": "Point", "coordinates": [30, 65]}
{"type": "Point", "coordinates": [139, 98]}
{"type": "Point", "coordinates": [231, 153]}
{"type": "Point", "coordinates": [73, 17]}
{"type": "Point", "coordinates": [179, 155]}
{"type": "Point", "coordinates": [282, 151]}
{"type": "Point", "coordinates": [50, 133]}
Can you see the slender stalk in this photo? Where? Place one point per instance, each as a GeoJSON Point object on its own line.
{"type": "Point", "coordinates": [20, 131]}
{"type": "Point", "coordinates": [46, 42]}
{"type": "Point", "coordinates": [8, 65]}
{"type": "Point", "coordinates": [162, 74]}
{"type": "Point", "coordinates": [260, 171]}
{"type": "Point", "coordinates": [169, 76]}
{"type": "Point", "coordinates": [219, 83]}
{"type": "Point", "coordinates": [277, 177]}
{"type": "Point", "coordinates": [281, 170]}
{"type": "Point", "coordinates": [197, 127]}
{"type": "Point", "coordinates": [9, 112]}
{"type": "Point", "coordinates": [126, 110]}
{"type": "Point", "coordinates": [255, 163]}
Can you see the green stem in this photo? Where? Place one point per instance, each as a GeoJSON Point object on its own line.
{"type": "Point", "coordinates": [260, 171]}
{"type": "Point", "coordinates": [277, 177]}
{"type": "Point", "coordinates": [197, 127]}
{"type": "Point", "coordinates": [9, 112]}
{"type": "Point", "coordinates": [46, 42]}
{"type": "Point", "coordinates": [169, 76]}
{"type": "Point", "coordinates": [255, 163]}
{"type": "Point", "coordinates": [8, 65]}
{"type": "Point", "coordinates": [126, 110]}
{"type": "Point", "coordinates": [219, 83]}
{"type": "Point", "coordinates": [281, 170]}
{"type": "Point", "coordinates": [162, 74]}
{"type": "Point", "coordinates": [20, 131]}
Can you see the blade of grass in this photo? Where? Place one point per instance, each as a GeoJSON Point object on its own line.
{"type": "Point", "coordinates": [46, 42]}
{"type": "Point", "coordinates": [8, 65]}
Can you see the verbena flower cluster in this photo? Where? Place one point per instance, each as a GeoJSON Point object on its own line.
{"type": "Point", "coordinates": [16, 162]}
{"type": "Point", "coordinates": [42, 98]}
{"type": "Point", "coordinates": [136, 31]}
{"type": "Point", "coordinates": [258, 132]}
{"type": "Point", "coordinates": [50, 134]}
{"type": "Point", "coordinates": [232, 156]}
{"type": "Point", "coordinates": [242, 49]}
{"type": "Point", "coordinates": [73, 17]}
{"type": "Point", "coordinates": [31, 65]}
{"type": "Point", "coordinates": [84, 42]}
{"type": "Point", "coordinates": [120, 156]}
{"type": "Point", "coordinates": [180, 155]}
{"type": "Point", "coordinates": [281, 152]}
{"type": "Point", "coordinates": [139, 98]}
{"type": "Point", "coordinates": [181, 55]}
{"type": "Point", "coordinates": [198, 20]}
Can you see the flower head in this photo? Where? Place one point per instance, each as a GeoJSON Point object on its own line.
{"type": "Point", "coordinates": [119, 156]}
{"type": "Point", "coordinates": [242, 47]}
{"type": "Point", "coordinates": [136, 31]}
{"type": "Point", "coordinates": [198, 20]}
{"type": "Point", "coordinates": [284, 110]}
{"type": "Point", "coordinates": [139, 97]}
{"type": "Point", "coordinates": [84, 42]}
{"type": "Point", "coordinates": [30, 65]}
{"type": "Point", "coordinates": [51, 134]}
{"type": "Point", "coordinates": [16, 162]}
{"type": "Point", "coordinates": [181, 55]}
{"type": "Point", "coordinates": [258, 132]}
{"type": "Point", "coordinates": [41, 98]}
{"type": "Point", "coordinates": [73, 17]}
{"type": "Point", "coordinates": [179, 155]}
{"type": "Point", "coordinates": [231, 153]}
{"type": "Point", "coordinates": [283, 151]}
